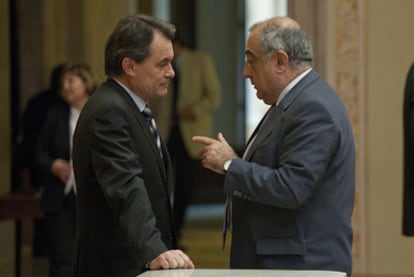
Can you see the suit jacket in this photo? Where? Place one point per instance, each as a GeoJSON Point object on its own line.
{"type": "Point", "coordinates": [123, 186]}
{"type": "Point", "coordinates": [199, 89]}
{"type": "Point", "coordinates": [408, 202]}
{"type": "Point", "coordinates": [53, 144]}
{"type": "Point", "coordinates": [33, 120]}
{"type": "Point", "coordinates": [293, 195]}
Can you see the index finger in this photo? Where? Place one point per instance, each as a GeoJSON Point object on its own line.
{"type": "Point", "coordinates": [204, 140]}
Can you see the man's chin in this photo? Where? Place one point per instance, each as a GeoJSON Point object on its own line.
{"type": "Point", "coordinates": [162, 93]}
{"type": "Point", "coordinates": [266, 101]}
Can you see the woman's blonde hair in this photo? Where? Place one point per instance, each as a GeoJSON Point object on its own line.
{"type": "Point", "coordinates": [84, 72]}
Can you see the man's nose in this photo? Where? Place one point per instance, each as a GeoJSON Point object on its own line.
{"type": "Point", "coordinates": [246, 71]}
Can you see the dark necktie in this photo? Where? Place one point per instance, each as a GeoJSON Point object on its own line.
{"type": "Point", "coordinates": [153, 127]}
{"type": "Point", "coordinates": [227, 219]}
{"type": "Point", "coordinates": [228, 206]}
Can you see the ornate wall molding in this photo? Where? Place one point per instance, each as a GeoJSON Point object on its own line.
{"type": "Point", "coordinates": [349, 82]}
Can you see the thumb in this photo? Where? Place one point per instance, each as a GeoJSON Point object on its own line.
{"type": "Point", "coordinates": [221, 138]}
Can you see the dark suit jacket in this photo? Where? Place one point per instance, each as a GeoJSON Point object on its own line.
{"type": "Point", "coordinates": [33, 120]}
{"type": "Point", "coordinates": [408, 204]}
{"type": "Point", "coordinates": [123, 202]}
{"type": "Point", "coordinates": [53, 144]}
{"type": "Point", "coordinates": [293, 195]}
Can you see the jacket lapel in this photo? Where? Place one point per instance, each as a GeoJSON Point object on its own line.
{"type": "Point", "coordinates": [143, 126]}
{"type": "Point", "coordinates": [311, 77]}
{"type": "Point", "coordinates": [271, 121]}
{"type": "Point", "coordinates": [265, 128]}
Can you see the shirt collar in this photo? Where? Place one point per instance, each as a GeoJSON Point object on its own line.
{"type": "Point", "coordinates": [291, 85]}
{"type": "Point", "coordinates": [137, 100]}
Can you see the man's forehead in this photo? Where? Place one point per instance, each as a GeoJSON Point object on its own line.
{"type": "Point", "coordinates": [252, 46]}
{"type": "Point", "coordinates": [253, 40]}
{"type": "Point", "coordinates": [282, 22]}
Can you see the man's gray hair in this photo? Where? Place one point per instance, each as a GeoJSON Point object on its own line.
{"type": "Point", "coordinates": [292, 40]}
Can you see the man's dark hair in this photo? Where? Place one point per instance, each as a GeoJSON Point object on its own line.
{"type": "Point", "coordinates": [132, 38]}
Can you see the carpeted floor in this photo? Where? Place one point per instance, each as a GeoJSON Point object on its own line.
{"type": "Point", "coordinates": [202, 241]}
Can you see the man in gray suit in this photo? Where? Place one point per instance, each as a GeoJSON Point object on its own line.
{"type": "Point", "coordinates": [292, 192]}
{"type": "Point", "coordinates": [122, 169]}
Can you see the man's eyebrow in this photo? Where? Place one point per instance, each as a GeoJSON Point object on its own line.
{"type": "Point", "coordinates": [164, 60]}
{"type": "Point", "coordinates": [248, 53]}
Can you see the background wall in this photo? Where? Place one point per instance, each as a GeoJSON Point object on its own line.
{"type": "Point", "coordinates": [219, 32]}
{"type": "Point", "coordinates": [389, 54]}
{"type": "Point", "coordinates": [52, 32]}
{"type": "Point", "coordinates": [6, 228]}
{"type": "Point", "coordinates": [4, 98]}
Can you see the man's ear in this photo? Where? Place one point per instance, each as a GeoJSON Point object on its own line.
{"type": "Point", "coordinates": [281, 60]}
{"type": "Point", "coordinates": [128, 66]}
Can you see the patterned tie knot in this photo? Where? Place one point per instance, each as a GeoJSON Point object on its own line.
{"type": "Point", "coordinates": [152, 126]}
{"type": "Point", "coordinates": [147, 114]}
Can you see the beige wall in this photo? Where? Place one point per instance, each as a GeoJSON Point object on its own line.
{"type": "Point", "coordinates": [72, 31]}
{"type": "Point", "coordinates": [103, 16]}
{"type": "Point", "coordinates": [389, 53]}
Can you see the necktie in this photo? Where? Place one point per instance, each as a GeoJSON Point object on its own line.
{"type": "Point", "coordinates": [227, 219]}
{"type": "Point", "coordinates": [153, 127]}
{"type": "Point", "coordinates": [228, 206]}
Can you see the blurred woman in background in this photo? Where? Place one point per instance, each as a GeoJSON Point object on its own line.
{"type": "Point", "coordinates": [53, 156]}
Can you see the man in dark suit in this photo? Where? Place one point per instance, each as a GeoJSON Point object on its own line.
{"type": "Point", "coordinates": [408, 117]}
{"type": "Point", "coordinates": [122, 169]}
{"type": "Point", "coordinates": [293, 189]}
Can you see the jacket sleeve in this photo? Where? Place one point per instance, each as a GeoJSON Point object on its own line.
{"type": "Point", "coordinates": [50, 145]}
{"type": "Point", "coordinates": [287, 172]}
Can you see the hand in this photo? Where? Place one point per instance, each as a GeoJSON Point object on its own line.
{"type": "Point", "coordinates": [215, 153]}
{"type": "Point", "coordinates": [171, 259]}
{"type": "Point", "coordinates": [61, 169]}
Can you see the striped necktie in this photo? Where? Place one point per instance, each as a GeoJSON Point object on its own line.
{"type": "Point", "coordinates": [153, 127]}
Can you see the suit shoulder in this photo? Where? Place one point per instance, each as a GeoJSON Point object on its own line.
{"type": "Point", "coordinates": [105, 98]}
